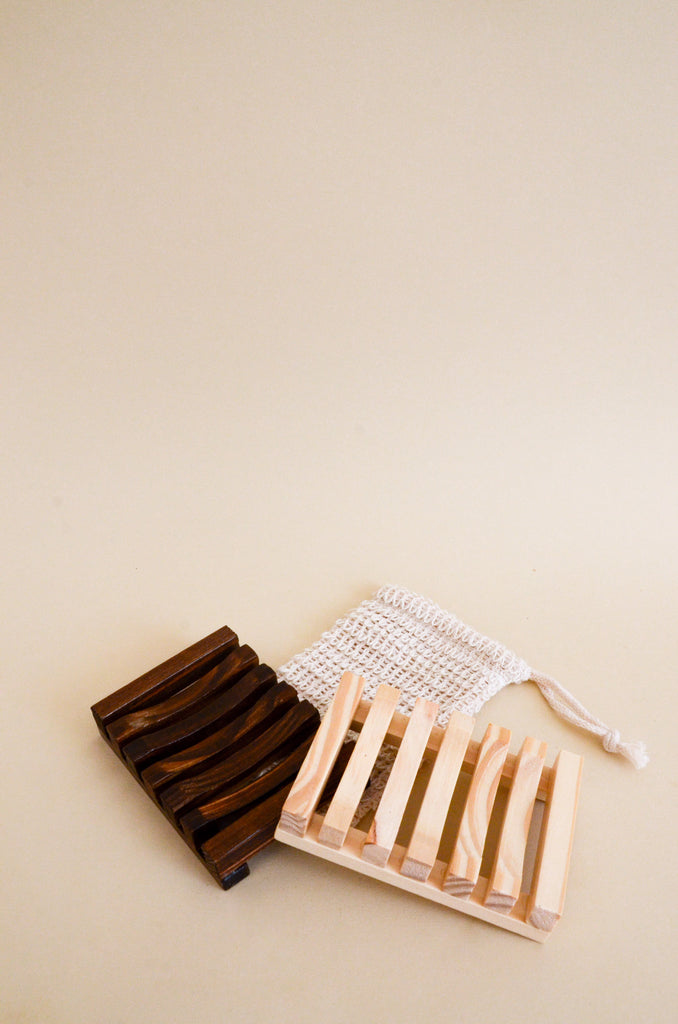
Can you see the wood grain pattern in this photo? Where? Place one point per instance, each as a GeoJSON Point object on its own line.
{"type": "Point", "coordinates": [189, 698]}
{"type": "Point", "coordinates": [203, 821]}
{"type": "Point", "coordinates": [222, 742]}
{"type": "Point", "coordinates": [348, 856]}
{"type": "Point", "coordinates": [216, 741]}
{"type": "Point", "coordinates": [384, 829]}
{"type": "Point", "coordinates": [255, 828]}
{"type": "Point", "coordinates": [310, 782]}
{"type": "Point", "coordinates": [165, 679]}
{"type": "Point", "coordinates": [349, 791]}
{"type": "Point", "coordinates": [221, 709]}
{"type": "Point", "coordinates": [397, 731]}
{"type": "Point", "coordinates": [507, 872]}
{"type": "Point", "coordinates": [295, 725]}
{"type": "Point", "coordinates": [463, 869]}
{"type": "Point", "coordinates": [491, 899]}
{"type": "Point", "coordinates": [547, 894]}
{"type": "Point", "coordinates": [423, 847]}
{"type": "Point", "coordinates": [245, 836]}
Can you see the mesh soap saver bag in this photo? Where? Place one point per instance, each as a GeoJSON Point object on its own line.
{"type": "Point", "coordinates": [400, 638]}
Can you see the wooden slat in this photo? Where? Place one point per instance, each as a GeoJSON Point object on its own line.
{"type": "Point", "coordinates": [423, 847]}
{"type": "Point", "coordinates": [308, 787]}
{"type": "Point", "coordinates": [464, 867]}
{"type": "Point", "coordinates": [189, 699]}
{"type": "Point", "coordinates": [547, 895]}
{"type": "Point", "coordinates": [219, 744]}
{"type": "Point", "coordinates": [389, 813]}
{"type": "Point", "coordinates": [506, 876]}
{"type": "Point", "coordinates": [218, 711]}
{"type": "Point", "coordinates": [349, 857]}
{"type": "Point", "coordinates": [265, 779]}
{"type": "Point", "coordinates": [165, 679]}
{"type": "Point", "coordinates": [397, 731]}
{"type": "Point", "coordinates": [243, 837]}
{"type": "Point", "coordinates": [296, 723]}
{"type": "Point", "coordinates": [349, 791]}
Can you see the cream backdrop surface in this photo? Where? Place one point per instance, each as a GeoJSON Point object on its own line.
{"type": "Point", "coordinates": [300, 299]}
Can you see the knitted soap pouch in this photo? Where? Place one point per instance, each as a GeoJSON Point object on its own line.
{"type": "Point", "coordinates": [400, 638]}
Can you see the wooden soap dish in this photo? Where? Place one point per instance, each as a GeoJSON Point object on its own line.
{"type": "Point", "coordinates": [216, 741]}
{"type": "Point", "coordinates": [486, 869]}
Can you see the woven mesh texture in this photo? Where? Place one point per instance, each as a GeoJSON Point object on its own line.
{"type": "Point", "coordinates": [400, 638]}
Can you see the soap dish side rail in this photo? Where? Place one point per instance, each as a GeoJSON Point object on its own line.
{"type": "Point", "coordinates": [455, 881]}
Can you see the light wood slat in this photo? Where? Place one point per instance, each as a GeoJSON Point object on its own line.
{"type": "Point", "coordinates": [464, 867]}
{"type": "Point", "coordinates": [397, 731]}
{"type": "Point", "coordinates": [307, 789]}
{"type": "Point", "coordinates": [547, 896]}
{"type": "Point", "coordinates": [389, 813]}
{"type": "Point", "coordinates": [349, 791]}
{"type": "Point", "coordinates": [507, 872]}
{"type": "Point", "coordinates": [423, 847]}
{"type": "Point", "coordinates": [349, 857]}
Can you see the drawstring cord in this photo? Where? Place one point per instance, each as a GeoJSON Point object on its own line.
{"type": "Point", "coordinates": [569, 708]}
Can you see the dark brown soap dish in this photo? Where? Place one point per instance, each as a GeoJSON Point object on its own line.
{"type": "Point", "coordinates": [216, 741]}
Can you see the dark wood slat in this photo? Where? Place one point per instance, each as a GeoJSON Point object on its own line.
{"type": "Point", "coordinates": [250, 832]}
{"type": "Point", "coordinates": [299, 721]}
{"type": "Point", "coordinates": [245, 836]}
{"type": "Point", "coordinates": [205, 819]}
{"type": "Point", "coordinates": [220, 710]}
{"type": "Point", "coordinates": [165, 679]}
{"type": "Point", "coordinates": [187, 700]}
{"type": "Point", "coordinates": [220, 743]}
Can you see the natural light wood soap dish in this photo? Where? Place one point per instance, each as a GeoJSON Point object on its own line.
{"type": "Point", "coordinates": [512, 805]}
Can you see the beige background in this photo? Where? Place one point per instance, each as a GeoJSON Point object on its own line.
{"type": "Point", "coordinates": [299, 299]}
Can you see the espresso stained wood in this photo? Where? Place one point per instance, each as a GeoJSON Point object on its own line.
{"type": "Point", "coordinates": [298, 721]}
{"type": "Point", "coordinates": [187, 700]}
{"type": "Point", "coordinates": [221, 743]}
{"type": "Point", "coordinates": [213, 711]}
{"type": "Point", "coordinates": [267, 777]}
{"type": "Point", "coordinates": [165, 679]}
{"type": "Point", "coordinates": [244, 837]}
{"type": "Point", "coordinates": [218, 711]}
{"type": "Point", "coordinates": [255, 828]}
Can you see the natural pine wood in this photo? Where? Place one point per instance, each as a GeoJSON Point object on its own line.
{"type": "Point", "coordinates": [396, 732]}
{"type": "Point", "coordinates": [349, 791]}
{"type": "Point", "coordinates": [506, 876]}
{"type": "Point", "coordinates": [463, 870]}
{"type": "Point", "coordinates": [487, 761]}
{"type": "Point", "coordinates": [389, 813]}
{"type": "Point", "coordinates": [310, 782]}
{"type": "Point", "coordinates": [423, 846]}
{"type": "Point", "coordinates": [547, 894]}
{"type": "Point", "coordinates": [348, 856]}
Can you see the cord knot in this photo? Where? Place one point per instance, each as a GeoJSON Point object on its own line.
{"type": "Point", "coordinates": [612, 741]}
